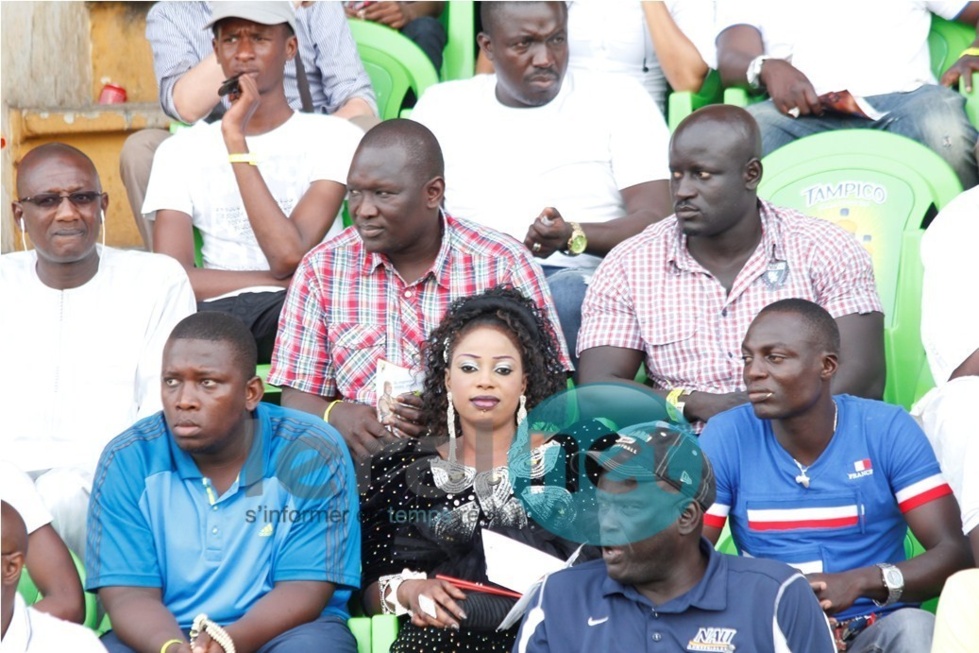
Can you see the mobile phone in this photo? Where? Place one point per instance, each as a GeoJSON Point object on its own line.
{"type": "Point", "coordinates": [230, 86]}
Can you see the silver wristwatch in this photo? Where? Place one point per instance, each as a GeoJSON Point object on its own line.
{"type": "Point", "coordinates": [753, 74]}
{"type": "Point", "coordinates": [893, 581]}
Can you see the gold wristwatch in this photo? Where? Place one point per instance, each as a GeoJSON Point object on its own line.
{"type": "Point", "coordinates": [578, 242]}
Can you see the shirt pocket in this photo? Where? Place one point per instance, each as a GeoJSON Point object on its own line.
{"type": "Point", "coordinates": [797, 529]}
{"type": "Point", "coordinates": [669, 332]}
{"type": "Point", "coordinates": [356, 348]}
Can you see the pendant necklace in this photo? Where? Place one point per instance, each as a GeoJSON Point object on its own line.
{"type": "Point", "coordinates": [803, 479]}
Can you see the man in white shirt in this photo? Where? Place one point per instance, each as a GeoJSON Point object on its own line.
{"type": "Point", "coordinates": [49, 563]}
{"type": "Point", "coordinates": [570, 164]}
{"type": "Point", "coordinates": [875, 49]}
{"type": "Point", "coordinates": [85, 327]}
{"type": "Point", "coordinates": [24, 629]}
{"type": "Point", "coordinates": [263, 186]}
{"type": "Point", "coordinates": [950, 333]}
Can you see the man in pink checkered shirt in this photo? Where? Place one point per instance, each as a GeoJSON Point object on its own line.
{"type": "Point", "coordinates": [680, 295]}
{"type": "Point", "coordinates": [374, 292]}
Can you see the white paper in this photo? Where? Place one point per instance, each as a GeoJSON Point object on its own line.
{"type": "Point", "coordinates": [515, 565]}
{"type": "Point", "coordinates": [390, 381]}
{"type": "Point", "coordinates": [518, 609]}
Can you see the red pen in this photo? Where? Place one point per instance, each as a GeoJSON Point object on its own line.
{"type": "Point", "coordinates": [477, 587]}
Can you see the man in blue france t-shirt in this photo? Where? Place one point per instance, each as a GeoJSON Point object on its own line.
{"type": "Point", "coordinates": [830, 485]}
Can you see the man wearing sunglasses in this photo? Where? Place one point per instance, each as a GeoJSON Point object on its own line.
{"type": "Point", "coordinates": [84, 326]}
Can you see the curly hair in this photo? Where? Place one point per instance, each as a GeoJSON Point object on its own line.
{"type": "Point", "coordinates": [508, 309]}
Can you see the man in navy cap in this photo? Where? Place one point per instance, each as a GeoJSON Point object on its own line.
{"type": "Point", "coordinates": [659, 579]}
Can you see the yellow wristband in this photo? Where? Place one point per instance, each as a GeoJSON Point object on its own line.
{"type": "Point", "coordinates": [244, 157]}
{"type": "Point", "coordinates": [674, 407]}
{"type": "Point", "coordinates": [170, 642]}
{"type": "Point", "coordinates": [972, 52]}
{"type": "Point", "coordinates": [326, 414]}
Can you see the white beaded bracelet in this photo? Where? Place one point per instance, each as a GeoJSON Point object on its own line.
{"type": "Point", "coordinates": [216, 632]}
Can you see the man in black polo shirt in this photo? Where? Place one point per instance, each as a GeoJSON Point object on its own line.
{"type": "Point", "coordinates": [660, 581]}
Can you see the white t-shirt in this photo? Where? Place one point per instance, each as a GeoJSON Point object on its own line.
{"type": "Point", "coordinates": [82, 365]}
{"type": "Point", "coordinates": [17, 489]}
{"type": "Point", "coordinates": [612, 37]}
{"type": "Point", "coordinates": [868, 47]}
{"type": "Point", "coordinates": [950, 333]}
{"type": "Point", "coordinates": [949, 309]}
{"type": "Point", "coordinates": [32, 631]}
{"type": "Point", "coordinates": [504, 165]}
{"type": "Point", "coordinates": [191, 174]}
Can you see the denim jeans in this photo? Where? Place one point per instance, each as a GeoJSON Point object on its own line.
{"type": "Point", "coordinates": [568, 287]}
{"type": "Point", "coordinates": [931, 115]}
{"type": "Point", "coordinates": [908, 630]}
{"type": "Point", "coordinates": [428, 34]}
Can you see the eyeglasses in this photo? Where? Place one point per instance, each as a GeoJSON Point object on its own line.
{"type": "Point", "coordinates": [54, 200]}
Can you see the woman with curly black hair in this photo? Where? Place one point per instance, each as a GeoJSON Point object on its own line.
{"type": "Point", "coordinates": [494, 357]}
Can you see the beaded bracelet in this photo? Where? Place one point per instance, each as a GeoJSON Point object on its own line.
{"type": "Point", "coordinates": [216, 632]}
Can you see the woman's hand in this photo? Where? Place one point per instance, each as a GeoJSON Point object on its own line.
{"type": "Point", "coordinates": [417, 595]}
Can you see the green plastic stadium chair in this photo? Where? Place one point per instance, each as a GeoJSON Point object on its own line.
{"type": "Point", "coordinates": [384, 630]}
{"type": "Point", "coordinates": [361, 629]}
{"type": "Point", "coordinates": [459, 54]}
{"type": "Point", "coordinates": [946, 40]}
{"type": "Point", "coordinates": [725, 541]}
{"type": "Point", "coordinates": [31, 594]}
{"type": "Point", "coordinates": [681, 104]}
{"type": "Point", "coordinates": [880, 187]}
{"type": "Point", "coordinates": [395, 65]}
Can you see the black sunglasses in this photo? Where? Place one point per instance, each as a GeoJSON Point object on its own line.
{"type": "Point", "coordinates": [53, 200]}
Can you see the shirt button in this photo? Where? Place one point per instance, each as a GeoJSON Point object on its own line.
{"type": "Point", "coordinates": [408, 293]}
{"type": "Point", "coordinates": [214, 531]}
{"type": "Point", "coordinates": [657, 637]}
{"type": "Point", "coordinates": [214, 508]}
{"type": "Point", "coordinates": [724, 312]}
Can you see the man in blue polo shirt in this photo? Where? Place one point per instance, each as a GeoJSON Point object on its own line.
{"type": "Point", "coordinates": [660, 585]}
{"type": "Point", "coordinates": [225, 506]}
{"type": "Point", "coordinates": [830, 485]}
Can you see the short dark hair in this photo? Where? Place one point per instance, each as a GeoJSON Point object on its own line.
{"type": "Point", "coordinates": [820, 324]}
{"type": "Point", "coordinates": [215, 326]}
{"type": "Point", "coordinates": [507, 309]}
{"type": "Point", "coordinates": [490, 12]}
{"type": "Point", "coordinates": [415, 139]}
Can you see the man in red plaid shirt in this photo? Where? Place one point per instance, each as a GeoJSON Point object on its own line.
{"type": "Point", "coordinates": [373, 293]}
{"type": "Point", "coordinates": [680, 295]}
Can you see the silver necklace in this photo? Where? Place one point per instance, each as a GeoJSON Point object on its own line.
{"type": "Point", "coordinates": [803, 479]}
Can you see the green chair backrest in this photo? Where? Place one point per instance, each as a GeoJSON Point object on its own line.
{"type": "Point", "coordinates": [384, 630]}
{"type": "Point", "coordinates": [681, 104]}
{"type": "Point", "coordinates": [946, 41]}
{"type": "Point", "coordinates": [459, 54]}
{"type": "Point", "coordinates": [361, 629]}
{"type": "Point", "coordinates": [880, 187]}
{"type": "Point", "coordinates": [395, 65]}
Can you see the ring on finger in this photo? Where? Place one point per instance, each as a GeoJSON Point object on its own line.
{"type": "Point", "coordinates": [536, 247]}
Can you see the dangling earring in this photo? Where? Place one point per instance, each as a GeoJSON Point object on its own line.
{"type": "Point", "coordinates": [451, 416]}
{"type": "Point", "coordinates": [23, 235]}
{"type": "Point", "coordinates": [522, 411]}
